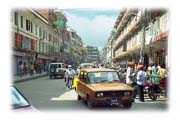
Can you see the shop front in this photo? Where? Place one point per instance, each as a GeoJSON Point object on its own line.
{"type": "Point", "coordinates": [24, 57]}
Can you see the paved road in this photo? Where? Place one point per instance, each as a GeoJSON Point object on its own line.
{"type": "Point", "coordinates": [51, 94]}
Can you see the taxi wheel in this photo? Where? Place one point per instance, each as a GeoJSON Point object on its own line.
{"type": "Point", "coordinates": [79, 97]}
{"type": "Point", "coordinates": [127, 105]}
{"type": "Point", "coordinates": [89, 102]}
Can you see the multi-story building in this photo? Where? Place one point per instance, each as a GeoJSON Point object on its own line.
{"type": "Point", "coordinates": [84, 55]}
{"type": "Point", "coordinates": [75, 46]}
{"type": "Point", "coordinates": [108, 50]}
{"type": "Point", "coordinates": [35, 39]}
{"type": "Point", "coordinates": [141, 36]}
{"type": "Point", "coordinates": [61, 24]}
{"type": "Point", "coordinates": [93, 54]}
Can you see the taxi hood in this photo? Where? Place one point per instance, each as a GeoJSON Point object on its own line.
{"type": "Point", "coordinates": [109, 86]}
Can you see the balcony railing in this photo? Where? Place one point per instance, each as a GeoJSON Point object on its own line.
{"type": "Point", "coordinates": [134, 26]}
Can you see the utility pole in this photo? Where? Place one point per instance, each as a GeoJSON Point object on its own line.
{"type": "Point", "coordinates": [111, 42]}
{"type": "Point", "coordinates": [141, 60]}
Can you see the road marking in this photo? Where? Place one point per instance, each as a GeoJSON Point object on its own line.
{"type": "Point", "coordinates": [69, 95]}
{"type": "Point", "coordinates": [148, 100]}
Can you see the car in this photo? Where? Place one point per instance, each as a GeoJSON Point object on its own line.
{"type": "Point", "coordinates": [19, 101]}
{"type": "Point", "coordinates": [85, 65]}
{"type": "Point", "coordinates": [102, 86]}
{"type": "Point", "coordinates": [56, 69]}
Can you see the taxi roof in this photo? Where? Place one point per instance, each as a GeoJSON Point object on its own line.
{"type": "Point", "coordinates": [98, 70]}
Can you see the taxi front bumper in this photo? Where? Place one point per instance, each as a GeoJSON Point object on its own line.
{"type": "Point", "coordinates": [111, 101]}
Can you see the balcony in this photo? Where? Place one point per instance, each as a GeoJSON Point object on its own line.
{"type": "Point", "coordinates": [134, 25]}
{"type": "Point", "coordinates": [126, 53]}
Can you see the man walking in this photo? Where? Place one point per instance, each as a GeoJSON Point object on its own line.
{"type": "Point", "coordinates": [141, 81]}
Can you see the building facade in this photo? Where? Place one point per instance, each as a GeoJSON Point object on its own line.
{"type": "Point", "coordinates": [92, 54]}
{"type": "Point", "coordinates": [75, 47]}
{"type": "Point", "coordinates": [141, 36]}
{"type": "Point", "coordinates": [34, 38]}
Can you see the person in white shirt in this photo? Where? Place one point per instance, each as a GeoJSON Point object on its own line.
{"type": "Point", "coordinates": [128, 74]}
{"type": "Point", "coordinates": [70, 73]}
{"type": "Point", "coordinates": [65, 76]}
{"type": "Point", "coordinates": [141, 81]}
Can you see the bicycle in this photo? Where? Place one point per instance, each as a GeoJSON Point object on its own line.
{"type": "Point", "coordinates": [69, 82]}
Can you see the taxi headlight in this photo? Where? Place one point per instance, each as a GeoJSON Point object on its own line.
{"type": "Point", "coordinates": [127, 93]}
{"type": "Point", "coordinates": [99, 94]}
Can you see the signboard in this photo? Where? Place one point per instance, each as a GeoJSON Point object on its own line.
{"type": "Point", "coordinates": [148, 39]}
{"type": "Point", "coordinates": [61, 23]}
{"type": "Point", "coordinates": [15, 53]}
{"type": "Point", "coordinates": [42, 56]}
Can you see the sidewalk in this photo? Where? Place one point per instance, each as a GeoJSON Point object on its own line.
{"type": "Point", "coordinates": [17, 79]}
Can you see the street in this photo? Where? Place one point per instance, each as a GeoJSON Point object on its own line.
{"type": "Point", "coordinates": [51, 94]}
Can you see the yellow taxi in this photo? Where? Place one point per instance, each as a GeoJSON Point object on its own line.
{"type": "Point", "coordinates": [102, 86]}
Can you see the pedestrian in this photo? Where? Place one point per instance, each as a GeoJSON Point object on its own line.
{"type": "Point", "coordinates": [65, 75]}
{"type": "Point", "coordinates": [36, 67]}
{"type": "Point", "coordinates": [24, 69]}
{"type": "Point", "coordinates": [70, 73]}
{"type": "Point", "coordinates": [95, 65]}
{"type": "Point", "coordinates": [162, 72]}
{"type": "Point", "coordinates": [39, 68]}
{"type": "Point", "coordinates": [154, 69]}
{"type": "Point", "coordinates": [32, 69]}
{"type": "Point", "coordinates": [20, 69]}
{"type": "Point", "coordinates": [141, 80]}
{"type": "Point", "coordinates": [129, 73]}
{"type": "Point", "coordinates": [158, 67]}
{"type": "Point", "coordinates": [149, 69]}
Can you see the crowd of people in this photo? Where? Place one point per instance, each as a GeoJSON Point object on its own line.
{"type": "Point", "coordinates": [141, 75]}
{"type": "Point", "coordinates": [32, 68]}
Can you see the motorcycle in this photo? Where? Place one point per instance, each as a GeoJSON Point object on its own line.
{"type": "Point", "coordinates": [155, 90]}
{"type": "Point", "coordinates": [70, 82]}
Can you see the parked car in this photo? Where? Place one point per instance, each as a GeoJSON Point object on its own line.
{"type": "Point", "coordinates": [56, 69]}
{"type": "Point", "coordinates": [102, 86]}
{"type": "Point", "coordinates": [19, 102]}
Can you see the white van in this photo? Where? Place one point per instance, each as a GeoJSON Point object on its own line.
{"type": "Point", "coordinates": [56, 69]}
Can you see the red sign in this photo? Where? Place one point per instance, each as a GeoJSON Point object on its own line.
{"type": "Point", "coordinates": [161, 36]}
{"type": "Point", "coordinates": [18, 40]}
{"type": "Point", "coordinates": [33, 45]}
{"type": "Point", "coordinates": [42, 57]}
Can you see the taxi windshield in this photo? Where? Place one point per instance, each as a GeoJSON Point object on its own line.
{"type": "Point", "coordinates": [96, 77]}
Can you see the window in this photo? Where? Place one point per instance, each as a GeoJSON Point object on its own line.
{"type": "Point", "coordinates": [35, 29]}
{"type": "Point", "coordinates": [28, 25]}
{"type": "Point", "coordinates": [21, 21]}
{"type": "Point", "coordinates": [15, 18]}
{"type": "Point", "coordinates": [40, 32]}
{"type": "Point", "coordinates": [31, 26]}
{"type": "Point", "coordinates": [44, 34]}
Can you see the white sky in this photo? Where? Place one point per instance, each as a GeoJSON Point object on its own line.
{"type": "Point", "coordinates": [94, 27]}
